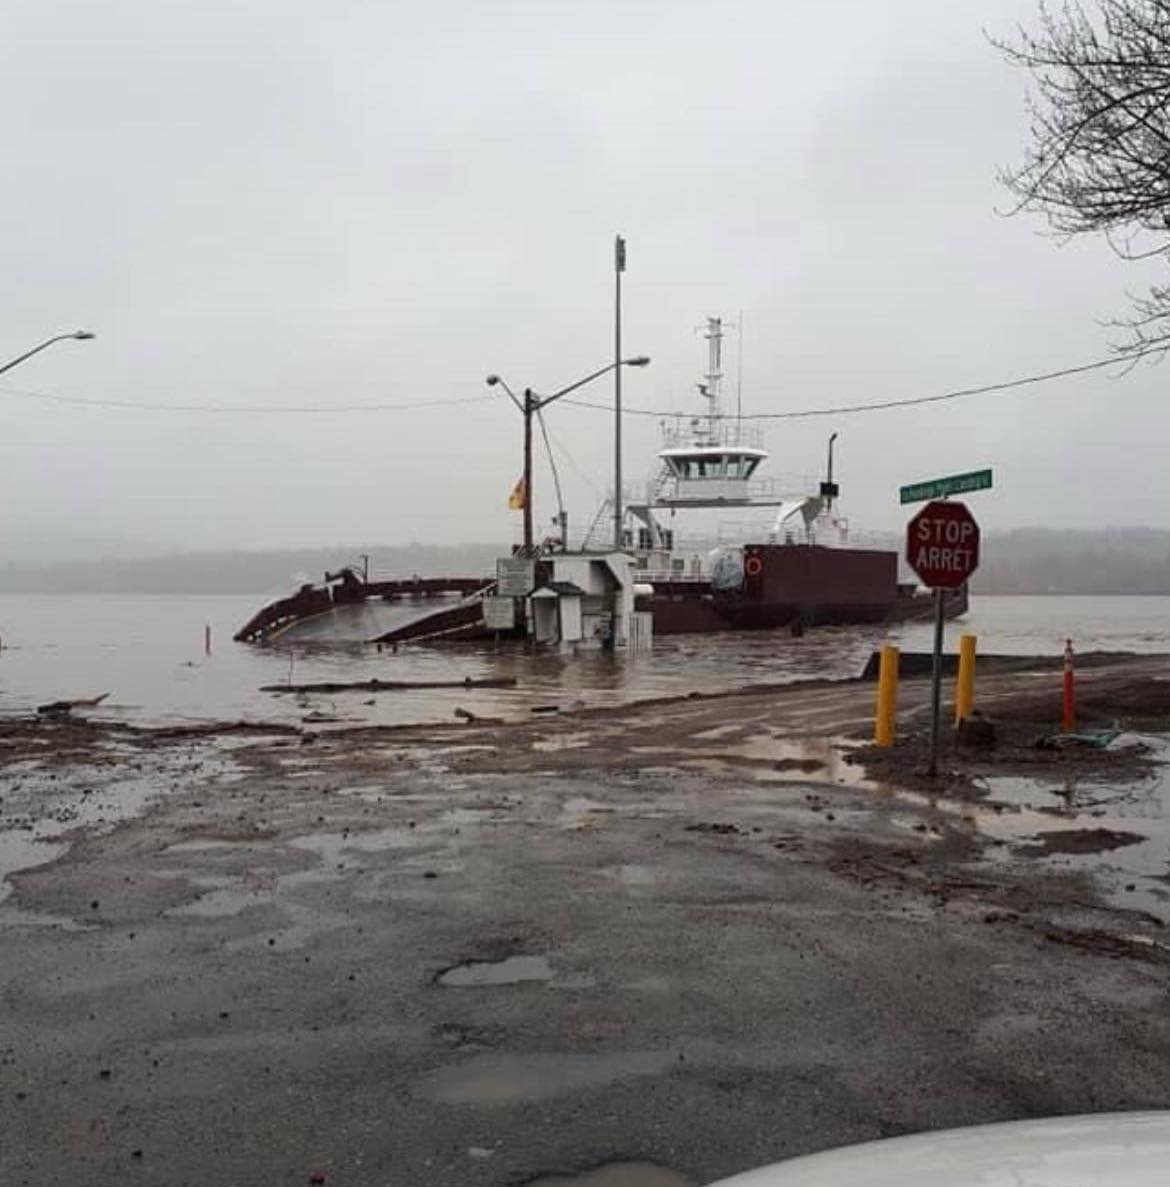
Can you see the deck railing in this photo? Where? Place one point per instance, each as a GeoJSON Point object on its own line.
{"type": "Point", "coordinates": [683, 432]}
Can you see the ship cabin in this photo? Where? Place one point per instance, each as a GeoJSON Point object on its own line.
{"type": "Point", "coordinates": [709, 462]}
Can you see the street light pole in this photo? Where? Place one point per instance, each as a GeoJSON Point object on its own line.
{"type": "Point", "coordinates": [533, 404]}
{"type": "Point", "coordinates": [80, 335]}
{"type": "Point", "coordinates": [619, 266]}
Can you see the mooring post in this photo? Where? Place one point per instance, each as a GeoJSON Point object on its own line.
{"type": "Point", "coordinates": [965, 683]}
{"type": "Point", "coordinates": [887, 697]}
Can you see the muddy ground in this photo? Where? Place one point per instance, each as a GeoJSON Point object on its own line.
{"type": "Point", "coordinates": [691, 937]}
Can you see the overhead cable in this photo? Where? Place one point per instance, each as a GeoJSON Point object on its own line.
{"type": "Point", "coordinates": [880, 405]}
{"type": "Point", "coordinates": [1124, 360]}
{"type": "Point", "coordinates": [255, 409]}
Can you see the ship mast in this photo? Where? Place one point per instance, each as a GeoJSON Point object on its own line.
{"type": "Point", "coordinates": [710, 389]}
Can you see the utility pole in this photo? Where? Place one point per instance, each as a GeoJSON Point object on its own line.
{"type": "Point", "coordinates": [619, 266]}
{"type": "Point", "coordinates": [529, 406]}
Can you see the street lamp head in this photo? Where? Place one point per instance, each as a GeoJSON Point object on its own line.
{"type": "Point", "coordinates": [492, 380]}
{"type": "Point", "coordinates": [83, 335]}
{"type": "Point", "coordinates": [641, 360]}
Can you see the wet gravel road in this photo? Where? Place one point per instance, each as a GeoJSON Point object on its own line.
{"type": "Point", "coordinates": [423, 961]}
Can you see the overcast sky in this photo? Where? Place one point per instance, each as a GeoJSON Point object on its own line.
{"type": "Point", "coordinates": [270, 204]}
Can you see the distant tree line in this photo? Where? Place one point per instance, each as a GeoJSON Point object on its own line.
{"type": "Point", "coordinates": [257, 573]}
{"type": "Point", "coordinates": [1042, 560]}
{"type": "Point", "coordinates": [1025, 561]}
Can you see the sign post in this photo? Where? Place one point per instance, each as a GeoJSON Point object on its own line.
{"type": "Point", "coordinates": [942, 547]}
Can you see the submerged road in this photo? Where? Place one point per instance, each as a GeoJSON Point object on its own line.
{"type": "Point", "coordinates": [681, 937]}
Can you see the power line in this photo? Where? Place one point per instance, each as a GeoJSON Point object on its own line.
{"type": "Point", "coordinates": [326, 409]}
{"type": "Point", "coordinates": [582, 474]}
{"type": "Point", "coordinates": [254, 409]}
{"type": "Point", "coordinates": [880, 405]}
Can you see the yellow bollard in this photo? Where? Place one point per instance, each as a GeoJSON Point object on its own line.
{"type": "Point", "coordinates": [965, 684]}
{"type": "Point", "coordinates": [887, 697]}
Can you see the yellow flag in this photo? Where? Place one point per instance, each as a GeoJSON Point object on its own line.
{"type": "Point", "coordinates": [518, 499]}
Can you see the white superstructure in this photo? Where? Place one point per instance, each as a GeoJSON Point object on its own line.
{"type": "Point", "coordinates": [709, 461]}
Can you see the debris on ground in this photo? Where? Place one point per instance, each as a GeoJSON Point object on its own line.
{"type": "Point", "coordinates": [60, 708]}
{"type": "Point", "coordinates": [975, 732]}
{"type": "Point", "coordinates": [1092, 739]}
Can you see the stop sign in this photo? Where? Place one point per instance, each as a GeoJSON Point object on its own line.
{"type": "Point", "coordinates": [942, 544]}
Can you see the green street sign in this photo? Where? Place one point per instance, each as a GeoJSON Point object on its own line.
{"type": "Point", "coordinates": [940, 488]}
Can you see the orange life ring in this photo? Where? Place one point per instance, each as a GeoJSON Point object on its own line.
{"type": "Point", "coordinates": [753, 566]}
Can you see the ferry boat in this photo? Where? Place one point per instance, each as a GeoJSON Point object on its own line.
{"type": "Point", "coordinates": [796, 568]}
{"type": "Point", "coordinates": [799, 570]}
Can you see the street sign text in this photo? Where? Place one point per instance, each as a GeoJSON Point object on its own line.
{"type": "Point", "coordinates": [940, 488]}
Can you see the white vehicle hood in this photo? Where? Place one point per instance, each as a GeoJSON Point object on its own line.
{"type": "Point", "coordinates": [1100, 1150]}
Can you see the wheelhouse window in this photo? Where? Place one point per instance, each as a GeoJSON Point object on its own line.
{"type": "Point", "coordinates": [717, 465]}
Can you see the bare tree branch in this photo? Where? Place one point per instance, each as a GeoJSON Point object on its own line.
{"type": "Point", "coordinates": [1098, 161]}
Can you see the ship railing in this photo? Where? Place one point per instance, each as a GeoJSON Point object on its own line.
{"type": "Point", "coordinates": [686, 432]}
{"type": "Point", "coordinates": [715, 489]}
{"type": "Point", "coordinates": [667, 576]}
{"type": "Point", "coordinates": [863, 538]}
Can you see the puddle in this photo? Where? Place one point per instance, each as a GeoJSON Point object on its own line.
{"type": "Point", "coordinates": [512, 971]}
{"type": "Point", "coordinates": [487, 812]}
{"type": "Point", "coordinates": [719, 731]}
{"type": "Point", "coordinates": [562, 742]}
{"type": "Point", "coordinates": [202, 845]}
{"type": "Point", "coordinates": [513, 1079]}
{"type": "Point", "coordinates": [300, 927]}
{"type": "Point", "coordinates": [770, 759]}
{"type": "Point", "coordinates": [222, 903]}
{"type": "Point", "coordinates": [330, 847]}
{"type": "Point", "coordinates": [16, 917]}
{"type": "Point", "coordinates": [25, 851]}
{"type": "Point", "coordinates": [617, 1174]}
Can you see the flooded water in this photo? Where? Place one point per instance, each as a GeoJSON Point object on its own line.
{"type": "Point", "coordinates": [147, 653]}
{"type": "Point", "coordinates": [1118, 830]}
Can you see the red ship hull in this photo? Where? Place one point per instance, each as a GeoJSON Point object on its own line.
{"type": "Point", "coordinates": [796, 585]}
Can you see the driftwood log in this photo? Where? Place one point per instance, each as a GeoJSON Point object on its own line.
{"type": "Point", "coordinates": [390, 685]}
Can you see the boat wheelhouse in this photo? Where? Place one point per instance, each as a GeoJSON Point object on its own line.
{"type": "Point", "coordinates": [710, 462]}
